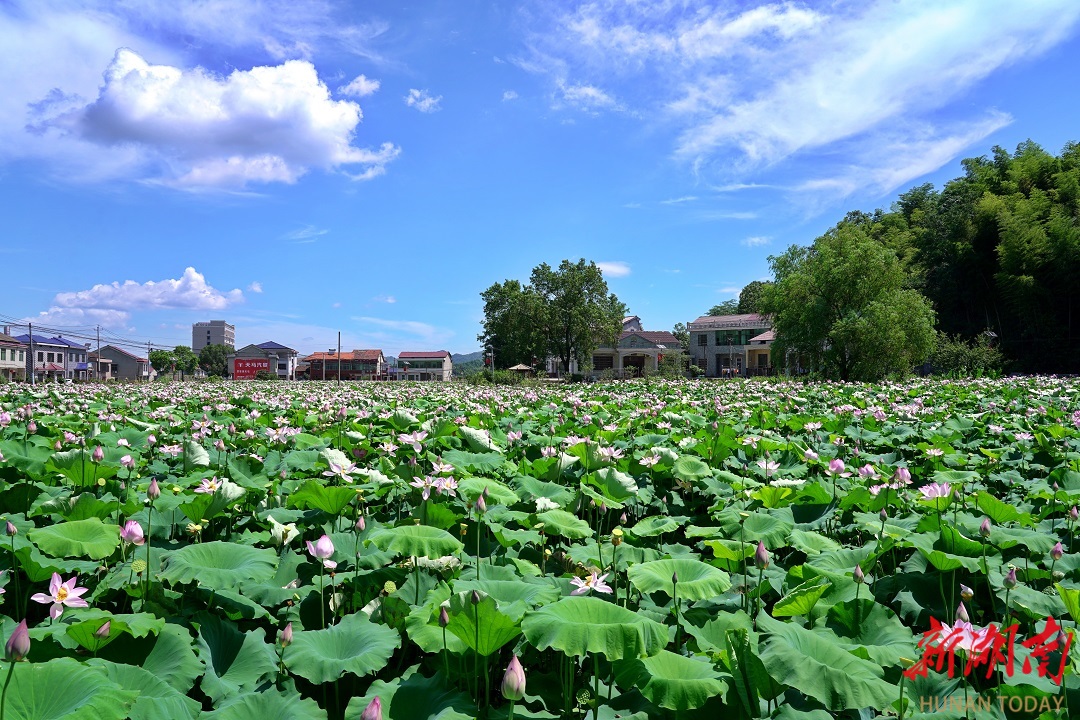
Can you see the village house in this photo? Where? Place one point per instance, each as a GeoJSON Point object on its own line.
{"type": "Point", "coordinates": [434, 365]}
{"type": "Point", "coordinates": [124, 365]}
{"type": "Point", "coordinates": [270, 357]}
{"type": "Point", "coordinates": [54, 358]}
{"type": "Point", "coordinates": [636, 352]}
{"type": "Point", "coordinates": [12, 357]}
{"type": "Point", "coordinates": [355, 365]}
{"type": "Point", "coordinates": [732, 345]}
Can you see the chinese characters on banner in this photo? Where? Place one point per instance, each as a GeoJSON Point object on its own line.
{"type": "Point", "coordinates": [990, 649]}
{"type": "Point", "coordinates": [246, 368]}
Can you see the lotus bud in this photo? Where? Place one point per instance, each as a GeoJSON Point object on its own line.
{"type": "Point", "coordinates": [984, 529]}
{"type": "Point", "coordinates": [373, 711]}
{"type": "Point", "coordinates": [58, 445]}
{"type": "Point", "coordinates": [1074, 514]}
{"type": "Point", "coordinates": [481, 506]}
{"type": "Point", "coordinates": [513, 683]}
{"type": "Point", "coordinates": [232, 429]}
{"type": "Point", "coordinates": [858, 575]}
{"type": "Point", "coordinates": [883, 515]}
{"type": "Point", "coordinates": [11, 529]}
{"type": "Point", "coordinates": [622, 518]}
{"type": "Point", "coordinates": [761, 557]}
{"type": "Point", "coordinates": [674, 578]}
{"type": "Point", "coordinates": [97, 455]}
{"type": "Point", "coordinates": [603, 508]}
{"type": "Point", "coordinates": [32, 427]}
{"type": "Point", "coordinates": [127, 462]}
{"type": "Point", "coordinates": [154, 491]}
{"type": "Point", "coordinates": [962, 613]}
{"type": "Point", "coordinates": [444, 617]}
{"type": "Point", "coordinates": [903, 475]}
{"type": "Point", "coordinates": [966, 593]}
{"type": "Point", "coordinates": [475, 597]}
{"type": "Point", "coordinates": [286, 635]}
{"type": "Point", "coordinates": [104, 631]}
{"type": "Point", "coordinates": [151, 440]}
{"type": "Point", "coordinates": [1056, 487]}
{"type": "Point", "coordinates": [18, 645]}
{"type": "Point", "coordinates": [1057, 551]}
{"type": "Point", "coordinates": [360, 525]}
{"type": "Point", "coordinates": [219, 445]}
{"type": "Point", "coordinates": [1009, 581]}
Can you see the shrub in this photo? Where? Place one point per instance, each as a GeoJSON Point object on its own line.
{"type": "Point", "coordinates": [265, 375]}
{"type": "Point", "coordinates": [959, 357]}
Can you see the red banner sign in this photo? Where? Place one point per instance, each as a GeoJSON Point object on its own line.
{"type": "Point", "coordinates": [246, 368]}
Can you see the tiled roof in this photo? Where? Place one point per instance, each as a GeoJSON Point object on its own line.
{"type": "Point", "coordinates": [361, 355]}
{"type": "Point", "coordinates": [38, 340]}
{"type": "Point", "coordinates": [751, 320]}
{"type": "Point", "coordinates": [767, 336]}
{"type": "Point", "coordinates": [659, 337]}
{"type": "Point", "coordinates": [8, 340]}
{"type": "Point", "coordinates": [123, 352]}
{"type": "Point", "coordinates": [64, 341]}
{"type": "Point", "coordinates": [269, 345]}
{"type": "Point", "coordinates": [426, 355]}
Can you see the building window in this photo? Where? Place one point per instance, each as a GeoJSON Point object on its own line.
{"type": "Point", "coordinates": [702, 340]}
{"type": "Point", "coordinates": [3, 354]}
{"type": "Point", "coordinates": [52, 357]}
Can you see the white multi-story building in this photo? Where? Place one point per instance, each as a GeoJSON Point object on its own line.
{"type": "Point", "coordinates": [12, 357]}
{"type": "Point", "coordinates": [212, 332]}
{"type": "Point", "coordinates": [435, 365]}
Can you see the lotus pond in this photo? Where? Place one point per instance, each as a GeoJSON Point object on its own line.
{"type": "Point", "coordinates": [628, 550]}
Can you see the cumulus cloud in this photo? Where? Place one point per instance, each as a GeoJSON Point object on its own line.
{"type": "Point", "coordinates": [614, 268]}
{"type": "Point", "coordinates": [255, 287]}
{"type": "Point", "coordinates": [361, 86]}
{"type": "Point", "coordinates": [196, 129]}
{"type": "Point", "coordinates": [423, 101]}
{"type": "Point", "coordinates": [112, 304]}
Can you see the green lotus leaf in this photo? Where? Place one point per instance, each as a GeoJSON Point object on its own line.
{"type": "Point", "coordinates": [65, 688]}
{"type": "Point", "coordinates": [514, 597]}
{"type": "Point", "coordinates": [798, 658]}
{"type": "Point", "coordinates": [416, 541]}
{"type": "Point", "coordinates": [157, 699]}
{"type": "Point", "coordinates": [219, 565]}
{"type": "Point", "coordinates": [195, 455]}
{"type": "Point", "coordinates": [486, 462]}
{"type": "Point", "coordinates": [268, 705]}
{"type": "Point", "coordinates": [478, 440]}
{"type": "Point", "coordinates": [416, 698]}
{"type": "Point", "coordinates": [354, 645]}
{"type": "Point", "coordinates": [697, 580]}
{"type": "Point", "coordinates": [480, 626]}
{"type": "Point", "coordinates": [690, 468]}
{"type": "Point", "coordinates": [657, 525]}
{"type": "Point", "coordinates": [498, 494]}
{"type": "Point", "coordinates": [236, 662]}
{"type": "Point", "coordinates": [560, 522]}
{"type": "Point", "coordinates": [81, 538]}
{"type": "Point", "coordinates": [802, 598]}
{"type": "Point", "coordinates": [577, 626]}
{"type": "Point", "coordinates": [173, 658]}
{"type": "Point", "coordinates": [614, 484]}
{"type": "Point", "coordinates": [671, 681]}
{"type": "Point", "coordinates": [329, 499]}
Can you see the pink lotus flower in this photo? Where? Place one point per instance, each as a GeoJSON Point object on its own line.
{"type": "Point", "coordinates": [132, 533]}
{"type": "Point", "coordinates": [61, 593]}
{"type": "Point", "coordinates": [208, 486]}
{"type": "Point", "coordinates": [127, 462]}
{"type": "Point", "coordinates": [593, 582]}
{"type": "Point", "coordinates": [322, 549]}
{"type": "Point", "coordinates": [18, 645]}
{"type": "Point", "coordinates": [513, 683]}
{"type": "Point", "coordinates": [936, 490]}
{"type": "Point", "coordinates": [373, 711]}
{"type": "Point", "coordinates": [836, 467]}
{"type": "Point", "coordinates": [97, 455]}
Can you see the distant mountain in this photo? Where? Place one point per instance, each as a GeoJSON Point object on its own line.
{"type": "Point", "coordinates": [467, 357]}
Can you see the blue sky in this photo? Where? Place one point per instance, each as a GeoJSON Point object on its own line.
{"type": "Point", "coordinates": [300, 168]}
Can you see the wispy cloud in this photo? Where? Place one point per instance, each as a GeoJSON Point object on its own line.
{"type": "Point", "coordinates": [404, 332]}
{"type": "Point", "coordinates": [756, 241]}
{"type": "Point", "coordinates": [389, 299]}
{"type": "Point", "coordinates": [423, 101]}
{"type": "Point", "coordinates": [306, 234]}
{"type": "Point", "coordinates": [615, 268]}
{"type": "Point", "coordinates": [679, 200]}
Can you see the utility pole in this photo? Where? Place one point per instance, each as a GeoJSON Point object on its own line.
{"type": "Point", "coordinates": [324, 367]}
{"type": "Point", "coordinates": [147, 367]}
{"type": "Point", "coordinates": [33, 367]}
{"type": "Point", "coordinates": [339, 357]}
{"type": "Point", "coordinates": [97, 366]}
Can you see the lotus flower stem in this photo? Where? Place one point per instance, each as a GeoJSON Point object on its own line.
{"type": "Point", "coordinates": [3, 695]}
{"type": "Point", "coordinates": [596, 678]}
{"type": "Point", "coordinates": [478, 545]}
{"type": "Point", "coordinates": [322, 595]}
{"type": "Point", "coordinates": [15, 575]}
{"type": "Point", "coordinates": [902, 697]}
{"type": "Point", "coordinates": [149, 519]}
{"type": "Point", "coordinates": [511, 715]}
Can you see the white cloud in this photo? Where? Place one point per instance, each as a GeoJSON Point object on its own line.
{"type": "Point", "coordinates": [422, 100]}
{"type": "Point", "coordinates": [747, 86]}
{"type": "Point", "coordinates": [361, 86]}
{"type": "Point", "coordinates": [679, 200]}
{"type": "Point", "coordinates": [193, 129]}
{"type": "Point", "coordinates": [255, 287]}
{"type": "Point", "coordinates": [336, 305]}
{"type": "Point", "coordinates": [406, 332]}
{"type": "Point", "coordinates": [730, 290]}
{"type": "Point", "coordinates": [509, 95]}
{"type": "Point", "coordinates": [614, 268]}
{"type": "Point", "coordinates": [306, 234]}
{"type": "Point", "coordinates": [112, 304]}
{"type": "Point", "coordinates": [388, 299]}
{"type": "Point", "coordinates": [756, 241]}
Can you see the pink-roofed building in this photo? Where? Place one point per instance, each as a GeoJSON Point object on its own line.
{"type": "Point", "coordinates": [431, 365]}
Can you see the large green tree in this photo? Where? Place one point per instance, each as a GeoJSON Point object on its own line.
{"type": "Point", "coordinates": [565, 313]}
{"type": "Point", "coordinates": [728, 307]}
{"type": "Point", "coordinates": [214, 359]}
{"type": "Point", "coordinates": [163, 361]}
{"type": "Point", "coordinates": [187, 362]}
{"type": "Point", "coordinates": [750, 297]}
{"type": "Point", "coordinates": [840, 308]}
